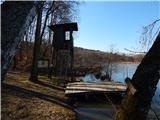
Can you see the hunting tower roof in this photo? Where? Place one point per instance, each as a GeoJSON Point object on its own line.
{"type": "Point", "coordinates": [66, 26]}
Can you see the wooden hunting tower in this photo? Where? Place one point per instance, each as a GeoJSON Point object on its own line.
{"type": "Point", "coordinates": [63, 53]}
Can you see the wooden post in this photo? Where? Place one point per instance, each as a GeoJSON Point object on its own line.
{"type": "Point", "coordinates": [71, 54]}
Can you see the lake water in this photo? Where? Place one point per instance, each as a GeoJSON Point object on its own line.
{"type": "Point", "coordinates": [121, 71]}
{"type": "Point", "coordinates": [127, 70]}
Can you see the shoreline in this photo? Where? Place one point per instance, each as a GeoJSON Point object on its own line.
{"type": "Point", "coordinates": [128, 62]}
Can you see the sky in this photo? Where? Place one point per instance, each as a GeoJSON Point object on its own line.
{"type": "Point", "coordinates": [104, 24]}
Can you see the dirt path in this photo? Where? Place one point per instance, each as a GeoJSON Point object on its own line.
{"type": "Point", "coordinates": [25, 100]}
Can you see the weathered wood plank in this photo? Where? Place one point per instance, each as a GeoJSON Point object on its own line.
{"type": "Point", "coordinates": [96, 86]}
{"type": "Point", "coordinates": [97, 83]}
{"type": "Point", "coordinates": [80, 87]}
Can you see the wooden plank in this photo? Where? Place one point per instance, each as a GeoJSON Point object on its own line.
{"type": "Point", "coordinates": [97, 83]}
{"type": "Point", "coordinates": [80, 87]}
{"type": "Point", "coordinates": [90, 91]}
{"type": "Point", "coordinates": [72, 91]}
{"type": "Point", "coordinates": [96, 86]}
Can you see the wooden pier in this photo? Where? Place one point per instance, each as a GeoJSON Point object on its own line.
{"type": "Point", "coordinates": [89, 87]}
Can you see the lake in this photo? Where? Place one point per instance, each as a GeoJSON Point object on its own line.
{"type": "Point", "coordinates": [127, 70]}
{"type": "Point", "coordinates": [104, 112]}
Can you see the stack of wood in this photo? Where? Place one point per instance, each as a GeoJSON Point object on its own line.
{"type": "Point", "coordinates": [92, 87]}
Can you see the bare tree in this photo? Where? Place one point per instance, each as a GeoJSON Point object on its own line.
{"type": "Point", "coordinates": [148, 35]}
{"type": "Point", "coordinates": [15, 17]}
{"type": "Point", "coordinates": [111, 67]}
{"type": "Point", "coordinates": [141, 88]}
{"type": "Point", "coordinates": [34, 70]}
{"type": "Point", "coordinates": [58, 12]}
{"type": "Point", "coordinates": [149, 32]}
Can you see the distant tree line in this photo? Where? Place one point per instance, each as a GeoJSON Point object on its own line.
{"type": "Point", "coordinates": [88, 57]}
{"type": "Point", "coordinates": [83, 57]}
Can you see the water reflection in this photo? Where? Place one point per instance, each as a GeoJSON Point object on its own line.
{"type": "Point", "coordinates": [127, 70]}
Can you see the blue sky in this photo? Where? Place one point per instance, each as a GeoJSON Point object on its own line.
{"type": "Point", "coordinates": [102, 24]}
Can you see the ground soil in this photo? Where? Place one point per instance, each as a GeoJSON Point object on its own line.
{"type": "Point", "coordinates": [22, 99]}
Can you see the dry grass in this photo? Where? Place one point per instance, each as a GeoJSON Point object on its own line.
{"type": "Point", "coordinates": [25, 100]}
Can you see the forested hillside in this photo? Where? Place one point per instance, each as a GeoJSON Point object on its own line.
{"type": "Point", "coordinates": [82, 56]}
{"type": "Point", "coordinates": [95, 57]}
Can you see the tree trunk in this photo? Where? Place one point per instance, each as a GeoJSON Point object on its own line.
{"type": "Point", "coordinates": [34, 70]}
{"type": "Point", "coordinates": [135, 106]}
{"type": "Point", "coordinates": [15, 17]}
{"type": "Point", "coordinates": [21, 51]}
{"type": "Point", "coordinates": [14, 62]}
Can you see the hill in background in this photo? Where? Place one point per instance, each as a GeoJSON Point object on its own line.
{"type": "Point", "coordinates": [87, 57]}
{"type": "Point", "coordinates": [82, 56]}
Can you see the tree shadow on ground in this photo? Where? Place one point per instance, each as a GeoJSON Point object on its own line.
{"type": "Point", "coordinates": [25, 93]}
{"type": "Point", "coordinates": [48, 85]}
